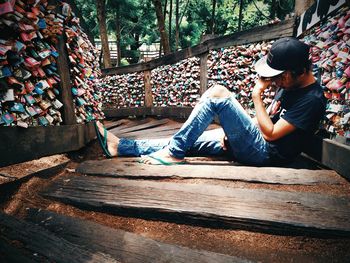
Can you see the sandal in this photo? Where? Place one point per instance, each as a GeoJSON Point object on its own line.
{"type": "Point", "coordinates": [102, 141]}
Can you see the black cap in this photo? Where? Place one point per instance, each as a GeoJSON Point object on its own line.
{"type": "Point", "coordinates": [285, 54]}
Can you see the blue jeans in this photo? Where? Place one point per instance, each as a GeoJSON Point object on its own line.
{"type": "Point", "coordinates": [245, 142]}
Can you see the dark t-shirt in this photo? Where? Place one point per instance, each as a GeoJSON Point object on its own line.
{"type": "Point", "coordinates": [303, 108]}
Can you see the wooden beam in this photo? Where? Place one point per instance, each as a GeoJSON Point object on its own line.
{"type": "Point", "coordinates": [336, 156]}
{"type": "Point", "coordinates": [330, 153]}
{"type": "Point", "coordinates": [139, 126]}
{"type": "Point", "coordinates": [166, 112]}
{"type": "Point", "coordinates": [44, 244]}
{"type": "Point", "coordinates": [121, 245]}
{"type": "Point", "coordinates": [148, 88]}
{"type": "Point", "coordinates": [252, 209]}
{"type": "Point", "coordinates": [267, 32]}
{"type": "Point", "coordinates": [130, 168]}
{"type": "Point", "coordinates": [66, 92]}
{"type": "Point", "coordinates": [10, 253]}
{"type": "Point", "coordinates": [256, 34]}
{"type": "Point", "coordinates": [203, 79]}
{"type": "Point", "coordinates": [19, 145]}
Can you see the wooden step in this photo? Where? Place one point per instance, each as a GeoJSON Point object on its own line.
{"type": "Point", "coordinates": [140, 127]}
{"type": "Point", "coordinates": [130, 168]}
{"type": "Point", "coordinates": [251, 209]}
{"type": "Point", "coordinates": [42, 243]}
{"type": "Point", "coordinates": [121, 245]}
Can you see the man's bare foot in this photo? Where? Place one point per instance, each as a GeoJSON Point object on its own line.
{"type": "Point", "coordinates": [161, 157]}
{"type": "Point", "coordinates": [112, 140]}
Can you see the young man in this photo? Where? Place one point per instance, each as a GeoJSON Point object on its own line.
{"type": "Point", "coordinates": [265, 140]}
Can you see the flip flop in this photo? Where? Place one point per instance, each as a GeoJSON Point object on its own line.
{"type": "Point", "coordinates": [102, 141]}
{"type": "Point", "coordinates": [161, 161]}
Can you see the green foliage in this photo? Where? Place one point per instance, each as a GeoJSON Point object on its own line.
{"type": "Point", "coordinates": [89, 13]}
{"type": "Point", "coordinates": [138, 21]}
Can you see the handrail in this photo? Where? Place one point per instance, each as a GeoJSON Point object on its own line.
{"type": "Point", "coordinates": [267, 32]}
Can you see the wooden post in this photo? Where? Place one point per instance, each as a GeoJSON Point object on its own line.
{"type": "Point", "coordinates": [66, 93]}
{"type": "Point", "coordinates": [302, 5]}
{"type": "Point", "coordinates": [148, 88]}
{"type": "Point", "coordinates": [203, 73]}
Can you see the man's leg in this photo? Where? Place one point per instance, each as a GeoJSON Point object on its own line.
{"type": "Point", "coordinates": [126, 147]}
{"type": "Point", "coordinates": [247, 144]}
{"type": "Point", "coordinates": [205, 145]}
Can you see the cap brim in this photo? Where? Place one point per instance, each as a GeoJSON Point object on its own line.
{"type": "Point", "coordinates": [265, 70]}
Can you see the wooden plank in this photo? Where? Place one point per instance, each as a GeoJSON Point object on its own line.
{"type": "Point", "coordinates": [203, 79]}
{"type": "Point", "coordinates": [9, 253]}
{"type": "Point", "coordinates": [251, 209]}
{"type": "Point", "coordinates": [272, 175]}
{"type": "Point", "coordinates": [256, 34]}
{"type": "Point", "coordinates": [42, 242]}
{"type": "Point", "coordinates": [126, 112]}
{"type": "Point", "coordinates": [330, 153]}
{"type": "Point", "coordinates": [267, 32]}
{"type": "Point", "coordinates": [114, 124]}
{"type": "Point", "coordinates": [40, 167]}
{"type": "Point", "coordinates": [166, 112]}
{"type": "Point", "coordinates": [149, 124]}
{"type": "Point", "coordinates": [121, 245]}
{"type": "Point", "coordinates": [66, 95]}
{"type": "Point", "coordinates": [20, 145]}
{"type": "Point", "coordinates": [132, 123]}
{"type": "Point", "coordinates": [336, 156]}
{"type": "Point", "coordinates": [148, 88]}
{"type": "Point", "coordinates": [155, 131]}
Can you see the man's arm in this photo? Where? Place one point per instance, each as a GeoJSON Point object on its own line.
{"type": "Point", "coordinates": [269, 130]}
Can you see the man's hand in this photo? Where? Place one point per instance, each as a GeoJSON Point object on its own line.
{"type": "Point", "coordinates": [260, 85]}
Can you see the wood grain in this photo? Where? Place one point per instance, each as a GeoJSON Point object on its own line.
{"type": "Point", "coordinates": [121, 245]}
{"type": "Point", "coordinates": [274, 175]}
{"type": "Point", "coordinates": [39, 240]}
{"type": "Point", "coordinates": [259, 210]}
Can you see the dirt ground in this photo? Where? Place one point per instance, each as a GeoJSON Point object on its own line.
{"type": "Point", "coordinates": [261, 247]}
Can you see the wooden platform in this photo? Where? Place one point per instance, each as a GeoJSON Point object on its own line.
{"type": "Point", "coordinates": [212, 193]}
{"type": "Point", "coordinates": [253, 209]}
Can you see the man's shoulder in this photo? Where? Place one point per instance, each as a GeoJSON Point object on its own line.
{"type": "Point", "coordinates": [312, 92]}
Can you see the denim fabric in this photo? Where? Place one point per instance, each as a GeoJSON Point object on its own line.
{"type": "Point", "coordinates": [246, 143]}
{"type": "Point", "coordinates": [208, 144]}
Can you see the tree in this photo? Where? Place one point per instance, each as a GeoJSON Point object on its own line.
{"type": "Point", "coordinates": [191, 20]}
{"type": "Point", "coordinates": [101, 17]}
{"type": "Point", "coordinates": [161, 25]}
{"type": "Point", "coordinates": [212, 21]}
{"type": "Point", "coordinates": [177, 25]}
{"type": "Point", "coordinates": [118, 33]}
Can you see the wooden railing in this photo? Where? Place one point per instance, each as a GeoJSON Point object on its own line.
{"type": "Point", "coordinates": [262, 33]}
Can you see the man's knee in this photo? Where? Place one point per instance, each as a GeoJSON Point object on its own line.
{"type": "Point", "coordinates": [218, 91]}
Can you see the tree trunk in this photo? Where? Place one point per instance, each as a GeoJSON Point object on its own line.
{"type": "Point", "coordinates": [212, 22]}
{"type": "Point", "coordinates": [164, 15]}
{"type": "Point", "coordinates": [118, 37]}
{"type": "Point", "coordinates": [240, 18]}
{"type": "Point", "coordinates": [302, 6]}
{"type": "Point", "coordinates": [177, 34]}
{"type": "Point", "coordinates": [170, 18]}
{"type": "Point", "coordinates": [101, 17]}
{"type": "Point", "coordinates": [161, 25]}
{"type": "Point", "coordinates": [273, 9]}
